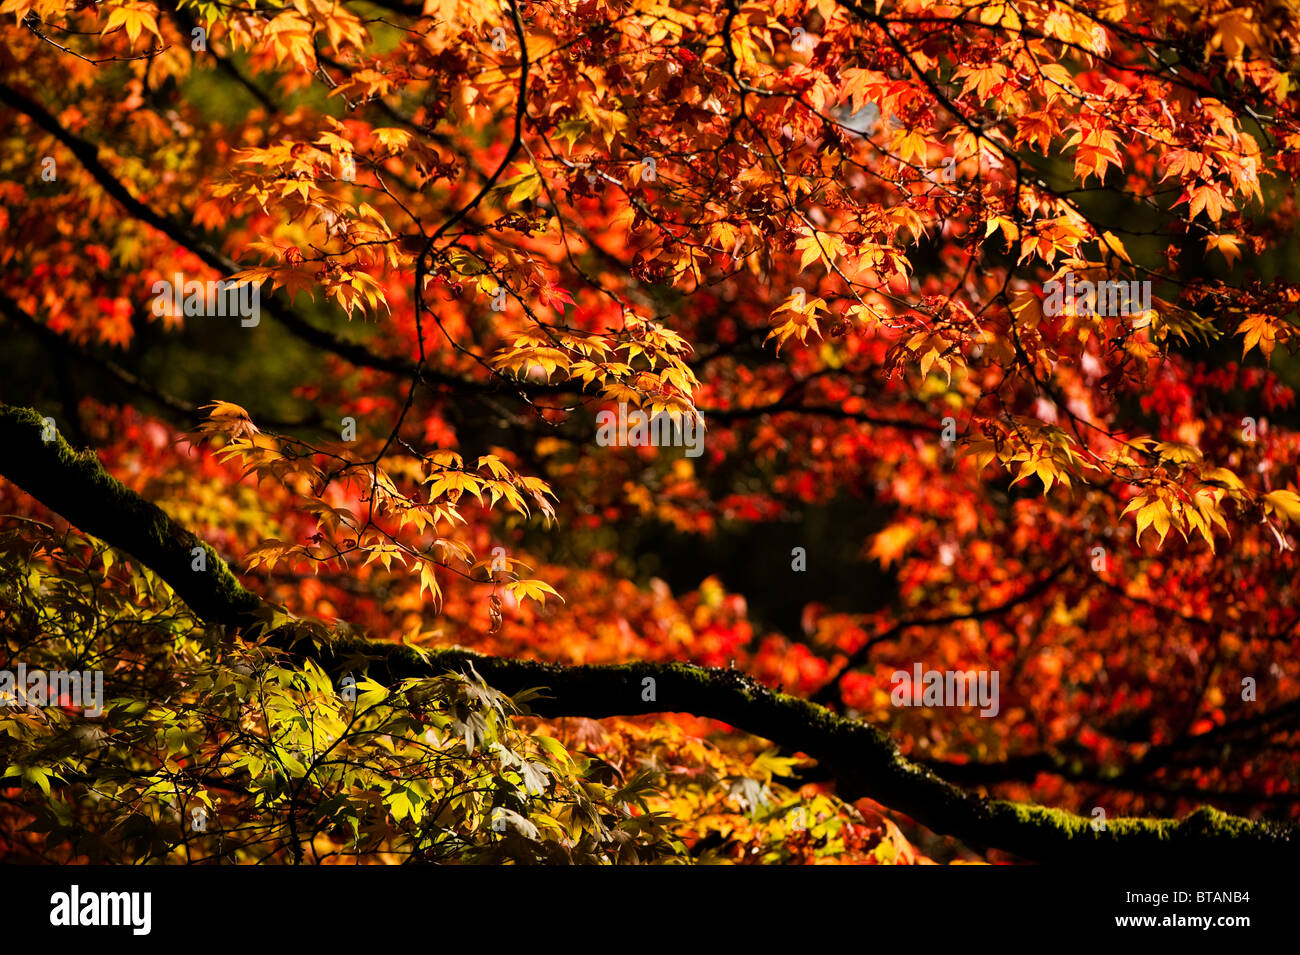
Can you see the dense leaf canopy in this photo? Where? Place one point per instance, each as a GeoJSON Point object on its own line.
{"type": "Point", "coordinates": [970, 326]}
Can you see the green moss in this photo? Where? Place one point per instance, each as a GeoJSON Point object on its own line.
{"type": "Point", "coordinates": [1043, 817]}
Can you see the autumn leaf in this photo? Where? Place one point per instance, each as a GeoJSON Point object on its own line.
{"type": "Point", "coordinates": [134, 19]}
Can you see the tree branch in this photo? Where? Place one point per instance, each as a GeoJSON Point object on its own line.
{"type": "Point", "coordinates": [863, 760]}
{"type": "Point", "coordinates": [88, 154]}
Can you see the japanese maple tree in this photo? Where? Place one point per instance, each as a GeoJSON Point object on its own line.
{"type": "Point", "coordinates": [364, 585]}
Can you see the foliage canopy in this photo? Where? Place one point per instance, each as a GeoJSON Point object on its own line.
{"type": "Point", "coordinates": [834, 232]}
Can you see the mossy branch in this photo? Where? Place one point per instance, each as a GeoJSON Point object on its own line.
{"type": "Point", "coordinates": [863, 760]}
{"type": "Point", "coordinates": [77, 487]}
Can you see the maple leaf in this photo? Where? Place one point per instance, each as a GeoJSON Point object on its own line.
{"type": "Point", "coordinates": [1228, 245]}
{"type": "Point", "coordinates": [1260, 331]}
{"type": "Point", "coordinates": [532, 590]}
{"type": "Point", "coordinates": [134, 19]}
{"type": "Point", "coordinates": [1208, 198]}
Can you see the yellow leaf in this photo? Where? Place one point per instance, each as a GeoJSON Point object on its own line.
{"type": "Point", "coordinates": [911, 146]}
{"type": "Point", "coordinates": [811, 248]}
{"type": "Point", "coordinates": [983, 451]}
{"type": "Point", "coordinates": [429, 581]}
{"type": "Point", "coordinates": [134, 20]}
{"type": "Point", "coordinates": [1224, 476]}
{"type": "Point", "coordinates": [1009, 228]}
{"type": "Point", "coordinates": [1161, 520]}
{"type": "Point", "coordinates": [1111, 242]}
{"type": "Point", "coordinates": [1228, 245]}
{"type": "Point", "coordinates": [532, 590]}
{"type": "Point", "coordinates": [890, 543]}
{"type": "Point", "coordinates": [1147, 515]}
{"type": "Point", "coordinates": [1285, 502]}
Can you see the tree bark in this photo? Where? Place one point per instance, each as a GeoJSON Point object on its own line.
{"type": "Point", "coordinates": [863, 760]}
